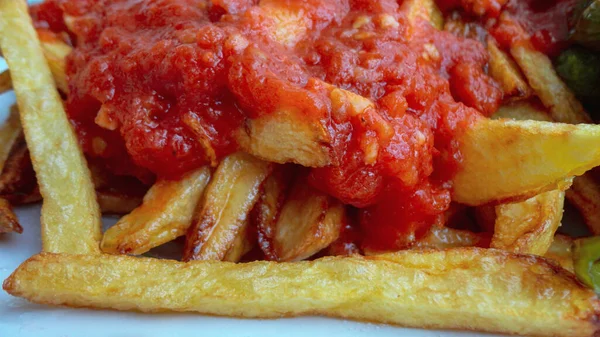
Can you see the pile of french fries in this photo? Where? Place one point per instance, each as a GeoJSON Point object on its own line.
{"type": "Point", "coordinates": [514, 275]}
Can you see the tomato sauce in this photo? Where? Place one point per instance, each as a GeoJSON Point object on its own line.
{"type": "Point", "coordinates": [159, 88]}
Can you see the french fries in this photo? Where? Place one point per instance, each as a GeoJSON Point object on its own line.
{"type": "Point", "coordinates": [530, 158]}
{"type": "Point", "coordinates": [469, 288]}
{"type": "Point", "coordinates": [561, 251]}
{"type": "Point", "coordinates": [165, 214]}
{"type": "Point", "coordinates": [70, 213]}
{"type": "Point", "coordinates": [446, 237]}
{"type": "Point", "coordinates": [528, 227]}
{"type": "Point", "coordinates": [308, 222]}
{"type": "Point", "coordinates": [223, 211]}
{"type": "Point", "coordinates": [584, 194]}
{"type": "Point", "coordinates": [10, 131]}
{"type": "Point", "coordinates": [504, 70]}
{"type": "Point", "coordinates": [55, 52]}
{"type": "Point", "coordinates": [8, 220]}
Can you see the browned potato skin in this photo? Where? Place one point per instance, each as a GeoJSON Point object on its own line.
{"type": "Point", "coordinates": [561, 251]}
{"type": "Point", "coordinates": [225, 207]}
{"type": "Point", "coordinates": [469, 288]}
{"type": "Point", "coordinates": [505, 71]}
{"type": "Point", "coordinates": [8, 220]}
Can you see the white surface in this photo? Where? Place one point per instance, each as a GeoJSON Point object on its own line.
{"type": "Point", "coordinates": [20, 318]}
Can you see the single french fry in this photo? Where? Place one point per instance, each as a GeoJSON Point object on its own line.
{"type": "Point", "coordinates": [309, 221]}
{"type": "Point", "coordinates": [10, 131]}
{"type": "Point", "coordinates": [504, 70]}
{"type": "Point", "coordinates": [8, 220]}
{"type": "Point", "coordinates": [505, 160]}
{"type": "Point", "coordinates": [165, 214]}
{"type": "Point", "coordinates": [528, 227]}
{"type": "Point", "coordinates": [242, 244]}
{"type": "Point", "coordinates": [468, 288]}
{"type": "Point", "coordinates": [561, 251]}
{"type": "Point", "coordinates": [70, 213]}
{"type": "Point", "coordinates": [224, 208]}
{"type": "Point", "coordinates": [5, 82]}
{"type": "Point", "coordinates": [551, 90]}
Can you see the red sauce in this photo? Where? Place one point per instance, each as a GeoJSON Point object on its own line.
{"type": "Point", "coordinates": [160, 75]}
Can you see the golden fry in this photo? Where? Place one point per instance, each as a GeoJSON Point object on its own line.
{"type": "Point", "coordinates": [8, 220]}
{"type": "Point", "coordinates": [468, 288]}
{"type": "Point", "coordinates": [242, 244]}
{"type": "Point", "coordinates": [508, 160]}
{"type": "Point", "coordinates": [225, 206]}
{"type": "Point", "coordinates": [426, 10]}
{"type": "Point", "coordinates": [70, 213]}
{"type": "Point", "coordinates": [551, 90]}
{"type": "Point", "coordinates": [446, 237]}
{"type": "Point", "coordinates": [309, 221]}
{"type": "Point", "coordinates": [55, 52]}
{"type": "Point", "coordinates": [165, 214]}
{"type": "Point", "coordinates": [504, 70]}
{"type": "Point", "coordinates": [528, 227]}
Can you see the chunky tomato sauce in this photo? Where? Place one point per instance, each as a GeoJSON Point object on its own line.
{"type": "Point", "coordinates": [159, 88]}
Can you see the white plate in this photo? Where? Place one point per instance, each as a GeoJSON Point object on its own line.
{"type": "Point", "coordinates": [21, 318]}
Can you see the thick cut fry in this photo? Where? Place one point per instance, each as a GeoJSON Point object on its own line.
{"type": "Point", "coordinates": [10, 131]}
{"type": "Point", "coordinates": [309, 221]}
{"type": "Point", "coordinates": [70, 213]}
{"type": "Point", "coordinates": [528, 227]}
{"type": "Point", "coordinates": [5, 82]}
{"type": "Point", "coordinates": [8, 220]}
{"type": "Point", "coordinates": [506, 160]}
{"type": "Point", "coordinates": [243, 243]}
{"type": "Point", "coordinates": [561, 251]}
{"type": "Point", "coordinates": [165, 214]}
{"type": "Point", "coordinates": [286, 137]}
{"type": "Point", "coordinates": [504, 70]}
{"type": "Point", "coordinates": [469, 288]}
{"type": "Point", "coordinates": [55, 52]}
{"type": "Point", "coordinates": [585, 196]}
{"type": "Point", "coordinates": [551, 90]}
{"type": "Point", "coordinates": [225, 206]}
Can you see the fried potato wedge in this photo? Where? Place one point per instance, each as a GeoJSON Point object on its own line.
{"type": "Point", "coordinates": [469, 288]}
{"type": "Point", "coordinates": [165, 214]}
{"type": "Point", "coordinates": [5, 82]}
{"type": "Point", "coordinates": [528, 227]}
{"type": "Point", "coordinates": [242, 244]}
{"type": "Point", "coordinates": [505, 71]}
{"type": "Point", "coordinates": [223, 210]}
{"type": "Point", "coordinates": [551, 90]}
{"type": "Point", "coordinates": [8, 220]}
{"type": "Point", "coordinates": [70, 213]}
{"type": "Point", "coordinates": [286, 137]}
{"type": "Point", "coordinates": [309, 221]}
{"type": "Point", "coordinates": [561, 251]}
{"type": "Point", "coordinates": [10, 131]}
{"type": "Point", "coordinates": [506, 160]}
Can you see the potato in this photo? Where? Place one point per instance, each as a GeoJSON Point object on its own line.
{"type": "Point", "coordinates": [551, 90]}
{"type": "Point", "coordinates": [503, 69]}
{"type": "Point", "coordinates": [243, 243]}
{"type": "Point", "coordinates": [528, 227]}
{"type": "Point", "coordinates": [468, 288]}
{"type": "Point", "coordinates": [8, 220]}
{"type": "Point", "coordinates": [309, 221]}
{"type": "Point", "coordinates": [165, 214]}
{"type": "Point", "coordinates": [506, 160]}
{"type": "Point", "coordinates": [112, 202]}
{"type": "Point", "coordinates": [224, 209]}
{"type": "Point", "coordinates": [55, 52]}
{"type": "Point", "coordinates": [426, 10]}
{"type": "Point", "coordinates": [70, 213]}
{"type": "Point", "coordinates": [446, 237]}
{"type": "Point", "coordinates": [584, 194]}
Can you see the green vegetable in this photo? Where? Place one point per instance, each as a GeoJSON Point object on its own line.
{"type": "Point", "coordinates": [586, 260]}
{"type": "Point", "coordinates": [580, 69]}
{"type": "Point", "coordinates": [586, 30]}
